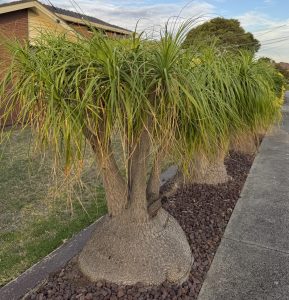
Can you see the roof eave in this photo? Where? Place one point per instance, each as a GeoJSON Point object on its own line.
{"type": "Point", "coordinates": [94, 24]}
{"type": "Point", "coordinates": [58, 17]}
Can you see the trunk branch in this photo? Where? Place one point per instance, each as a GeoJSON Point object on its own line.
{"type": "Point", "coordinates": [113, 182]}
{"type": "Point", "coordinates": [247, 144]}
{"type": "Point", "coordinates": [137, 177]}
{"type": "Point", "coordinates": [153, 185]}
{"type": "Point", "coordinates": [204, 171]}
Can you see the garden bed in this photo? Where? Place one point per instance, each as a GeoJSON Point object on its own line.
{"type": "Point", "coordinates": [203, 212]}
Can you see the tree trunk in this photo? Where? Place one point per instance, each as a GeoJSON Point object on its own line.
{"type": "Point", "coordinates": [203, 171]}
{"type": "Point", "coordinates": [128, 246]}
{"type": "Point", "coordinates": [114, 184]}
{"type": "Point", "coordinates": [246, 144]}
{"type": "Point", "coordinates": [153, 187]}
{"type": "Point", "coordinates": [124, 252]}
{"type": "Point", "coordinates": [137, 178]}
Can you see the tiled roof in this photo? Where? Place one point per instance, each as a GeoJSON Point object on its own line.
{"type": "Point", "coordinates": [73, 14]}
{"type": "Point", "coordinates": [66, 12]}
{"type": "Point", "coordinates": [13, 3]}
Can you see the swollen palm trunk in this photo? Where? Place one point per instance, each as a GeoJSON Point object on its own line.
{"type": "Point", "coordinates": [203, 171]}
{"type": "Point", "coordinates": [246, 144]}
{"type": "Point", "coordinates": [129, 245]}
{"type": "Point", "coordinates": [127, 252]}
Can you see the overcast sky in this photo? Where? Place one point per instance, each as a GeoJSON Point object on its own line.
{"type": "Point", "coordinates": [267, 19]}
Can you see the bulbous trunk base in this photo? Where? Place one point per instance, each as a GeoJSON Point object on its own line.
{"type": "Point", "coordinates": [247, 144]}
{"type": "Point", "coordinates": [126, 252]}
{"type": "Point", "coordinates": [214, 173]}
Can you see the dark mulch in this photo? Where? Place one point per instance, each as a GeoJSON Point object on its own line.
{"type": "Point", "coordinates": [203, 212]}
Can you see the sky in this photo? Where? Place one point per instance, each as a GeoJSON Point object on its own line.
{"type": "Point", "coordinates": [268, 20]}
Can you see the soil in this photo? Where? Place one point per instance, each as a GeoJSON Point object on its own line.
{"type": "Point", "coordinates": [202, 210]}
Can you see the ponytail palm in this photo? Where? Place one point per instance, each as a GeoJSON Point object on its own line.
{"type": "Point", "coordinates": [213, 76]}
{"type": "Point", "coordinates": [242, 101]}
{"type": "Point", "coordinates": [258, 103]}
{"type": "Point", "coordinates": [146, 93]}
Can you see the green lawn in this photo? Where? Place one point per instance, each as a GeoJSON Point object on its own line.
{"type": "Point", "coordinates": [37, 214]}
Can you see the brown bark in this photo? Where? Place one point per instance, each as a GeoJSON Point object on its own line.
{"type": "Point", "coordinates": [131, 247]}
{"type": "Point", "coordinates": [153, 188]}
{"type": "Point", "coordinates": [114, 185]}
{"type": "Point", "coordinates": [153, 185]}
{"type": "Point", "coordinates": [137, 178]}
{"type": "Point", "coordinates": [203, 171]}
{"type": "Point", "coordinates": [125, 252]}
{"type": "Point", "coordinates": [132, 195]}
{"type": "Point", "coordinates": [247, 144]}
{"type": "Point", "coordinates": [113, 182]}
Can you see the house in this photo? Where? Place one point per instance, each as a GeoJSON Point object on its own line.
{"type": "Point", "coordinates": [284, 66]}
{"type": "Point", "coordinates": [25, 20]}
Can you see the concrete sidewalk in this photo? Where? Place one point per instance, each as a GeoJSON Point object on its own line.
{"type": "Point", "coordinates": [252, 261]}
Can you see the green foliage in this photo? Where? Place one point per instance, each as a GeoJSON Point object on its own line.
{"type": "Point", "coordinates": [258, 104]}
{"type": "Point", "coordinates": [266, 60]}
{"type": "Point", "coordinates": [63, 87]}
{"type": "Point", "coordinates": [228, 34]}
{"type": "Point", "coordinates": [279, 84]}
{"type": "Point", "coordinates": [189, 99]}
{"type": "Point", "coordinates": [212, 77]}
{"type": "Point", "coordinates": [240, 92]}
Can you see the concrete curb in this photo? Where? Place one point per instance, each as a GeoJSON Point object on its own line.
{"type": "Point", "coordinates": [57, 259]}
{"type": "Point", "coordinates": [252, 260]}
{"type": "Point", "coordinates": [18, 287]}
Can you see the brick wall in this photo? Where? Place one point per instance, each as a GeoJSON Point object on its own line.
{"type": "Point", "coordinates": [13, 25]}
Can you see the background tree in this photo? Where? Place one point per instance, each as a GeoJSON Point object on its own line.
{"type": "Point", "coordinates": [227, 32]}
{"type": "Point", "coordinates": [283, 68]}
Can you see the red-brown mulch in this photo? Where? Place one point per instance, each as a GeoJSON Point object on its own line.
{"type": "Point", "coordinates": [203, 212]}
